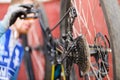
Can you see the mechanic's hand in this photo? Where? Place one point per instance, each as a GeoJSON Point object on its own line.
{"type": "Point", "coordinates": [13, 13]}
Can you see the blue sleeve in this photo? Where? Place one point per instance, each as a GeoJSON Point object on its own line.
{"type": "Point", "coordinates": [2, 29]}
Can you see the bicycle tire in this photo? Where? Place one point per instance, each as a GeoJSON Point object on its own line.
{"type": "Point", "coordinates": [43, 21]}
{"type": "Point", "coordinates": [111, 15]}
{"type": "Point", "coordinates": [27, 59]}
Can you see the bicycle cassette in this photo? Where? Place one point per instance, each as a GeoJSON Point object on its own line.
{"type": "Point", "coordinates": [82, 54]}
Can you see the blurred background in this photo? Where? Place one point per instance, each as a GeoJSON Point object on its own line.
{"type": "Point", "coordinates": [52, 9]}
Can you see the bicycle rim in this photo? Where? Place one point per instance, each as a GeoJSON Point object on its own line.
{"type": "Point", "coordinates": [89, 22]}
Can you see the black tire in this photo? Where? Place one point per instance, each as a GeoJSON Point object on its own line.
{"type": "Point", "coordinates": [43, 20]}
{"type": "Point", "coordinates": [111, 11]}
{"type": "Point", "coordinates": [27, 58]}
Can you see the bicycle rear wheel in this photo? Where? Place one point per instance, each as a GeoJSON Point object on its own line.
{"type": "Point", "coordinates": [90, 23]}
